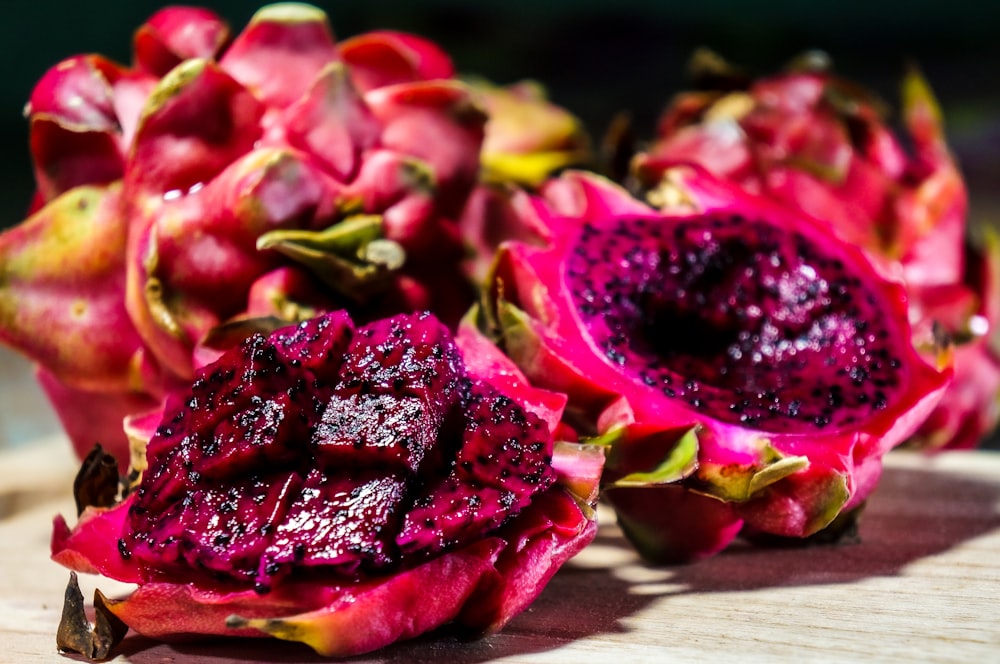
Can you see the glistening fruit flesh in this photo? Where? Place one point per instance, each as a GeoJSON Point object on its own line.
{"type": "Point", "coordinates": [735, 317]}
{"type": "Point", "coordinates": [733, 353]}
{"type": "Point", "coordinates": [328, 474]}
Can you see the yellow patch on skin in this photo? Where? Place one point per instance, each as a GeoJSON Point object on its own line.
{"type": "Point", "coordinates": [290, 13]}
{"type": "Point", "coordinates": [79, 308]}
{"type": "Point", "coordinates": [732, 107]}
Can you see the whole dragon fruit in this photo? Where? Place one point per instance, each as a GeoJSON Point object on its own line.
{"type": "Point", "coordinates": [820, 143]}
{"type": "Point", "coordinates": [270, 176]}
{"type": "Point", "coordinates": [748, 368]}
{"type": "Point", "coordinates": [345, 487]}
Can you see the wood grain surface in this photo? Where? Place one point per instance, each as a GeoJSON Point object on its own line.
{"type": "Point", "coordinates": [921, 584]}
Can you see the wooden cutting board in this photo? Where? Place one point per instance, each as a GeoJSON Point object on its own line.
{"type": "Point", "coordinates": [923, 584]}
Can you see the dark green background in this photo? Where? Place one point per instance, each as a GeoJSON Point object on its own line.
{"type": "Point", "coordinates": [596, 57]}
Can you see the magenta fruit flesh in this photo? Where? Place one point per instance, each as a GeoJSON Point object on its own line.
{"type": "Point", "coordinates": [281, 461]}
{"type": "Point", "coordinates": [737, 318]}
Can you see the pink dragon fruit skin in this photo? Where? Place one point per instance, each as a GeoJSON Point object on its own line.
{"type": "Point", "coordinates": [298, 153]}
{"type": "Point", "coordinates": [969, 314]}
{"type": "Point", "coordinates": [528, 138]}
{"type": "Point", "coordinates": [357, 583]}
{"type": "Point", "coordinates": [819, 143]}
{"type": "Point", "coordinates": [61, 310]}
{"type": "Point", "coordinates": [211, 169]}
{"type": "Point", "coordinates": [733, 352]}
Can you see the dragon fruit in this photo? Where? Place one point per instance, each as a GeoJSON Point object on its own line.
{"type": "Point", "coordinates": [967, 313]}
{"type": "Point", "coordinates": [271, 176]}
{"type": "Point", "coordinates": [527, 140]}
{"type": "Point", "coordinates": [820, 143]}
{"type": "Point", "coordinates": [346, 487]}
{"type": "Point", "coordinates": [747, 368]}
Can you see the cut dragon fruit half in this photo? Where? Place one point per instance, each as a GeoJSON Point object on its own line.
{"type": "Point", "coordinates": [748, 368]}
{"type": "Point", "coordinates": [346, 487]}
